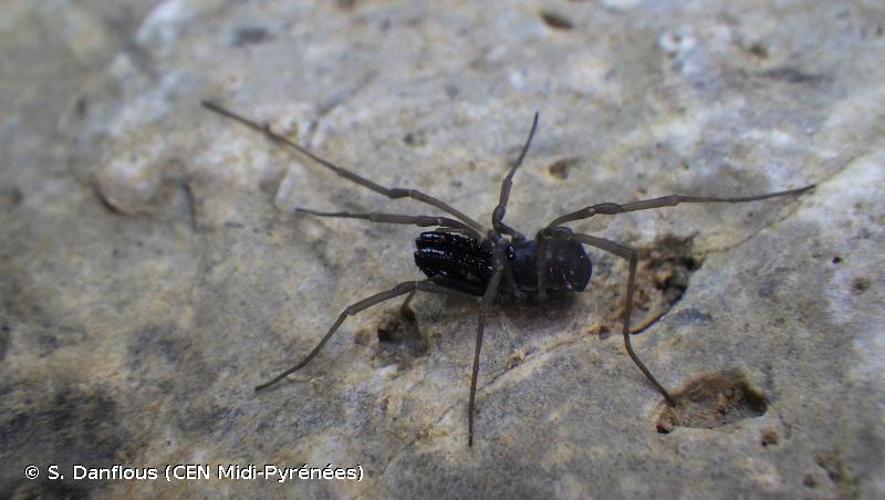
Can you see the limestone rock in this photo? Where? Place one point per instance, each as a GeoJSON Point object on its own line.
{"type": "Point", "coordinates": [153, 270]}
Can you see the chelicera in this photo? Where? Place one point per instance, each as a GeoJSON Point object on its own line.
{"type": "Point", "coordinates": [462, 257]}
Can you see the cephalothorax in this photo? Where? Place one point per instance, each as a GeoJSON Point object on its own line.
{"type": "Point", "coordinates": [461, 257]}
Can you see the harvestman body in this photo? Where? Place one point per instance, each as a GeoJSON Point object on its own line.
{"type": "Point", "coordinates": [463, 258]}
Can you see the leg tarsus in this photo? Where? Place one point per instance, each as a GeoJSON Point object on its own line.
{"type": "Point", "coordinates": [487, 299]}
{"type": "Point", "coordinates": [665, 201]}
{"type": "Point", "coordinates": [392, 193]}
{"type": "Point", "coordinates": [417, 220]}
{"type": "Point", "coordinates": [504, 197]}
{"type": "Point", "coordinates": [632, 256]}
{"type": "Point", "coordinates": [409, 287]}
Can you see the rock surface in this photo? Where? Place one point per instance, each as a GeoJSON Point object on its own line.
{"type": "Point", "coordinates": [153, 271]}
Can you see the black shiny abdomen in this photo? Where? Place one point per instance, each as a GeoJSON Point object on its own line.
{"type": "Point", "coordinates": [455, 261]}
{"type": "Point", "coordinates": [464, 264]}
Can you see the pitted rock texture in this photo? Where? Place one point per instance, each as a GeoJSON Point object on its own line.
{"type": "Point", "coordinates": [154, 271]}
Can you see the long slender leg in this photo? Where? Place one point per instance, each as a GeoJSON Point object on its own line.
{"type": "Point", "coordinates": [487, 298]}
{"type": "Point", "coordinates": [632, 257]}
{"type": "Point", "coordinates": [615, 208]}
{"type": "Point", "coordinates": [420, 221]}
{"type": "Point", "coordinates": [401, 289]}
{"type": "Point", "coordinates": [664, 201]}
{"type": "Point", "coordinates": [417, 220]}
{"type": "Point", "coordinates": [501, 209]}
{"type": "Point", "coordinates": [392, 193]}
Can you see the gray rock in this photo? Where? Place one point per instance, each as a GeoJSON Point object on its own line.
{"type": "Point", "coordinates": [153, 270]}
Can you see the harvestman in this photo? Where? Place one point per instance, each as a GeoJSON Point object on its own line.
{"type": "Point", "coordinates": [461, 257]}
